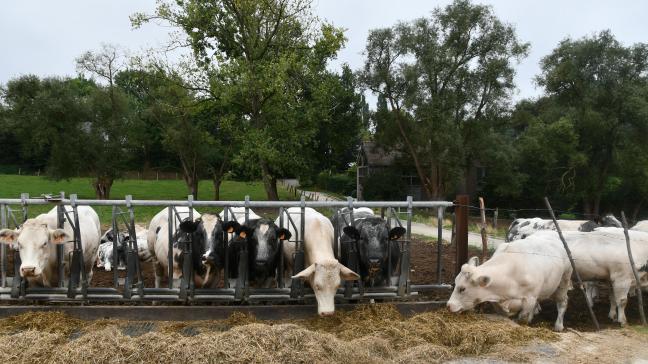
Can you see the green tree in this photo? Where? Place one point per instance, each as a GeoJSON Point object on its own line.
{"type": "Point", "coordinates": [601, 88]}
{"type": "Point", "coordinates": [265, 51]}
{"type": "Point", "coordinates": [445, 82]}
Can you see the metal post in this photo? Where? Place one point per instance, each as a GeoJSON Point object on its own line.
{"type": "Point", "coordinates": [439, 241]}
{"type": "Point", "coordinates": [352, 259]}
{"type": "Point", "coordinates": [461, 237]}
{"type": "Point", "coordinates": [403, 279]}
{"type": "Point", "coordinates": [116, 244]}
{"type": "Point", "coordinates": [226, 240]}
{"type": "Point", "coordinates": [495, 216]}
{"type": "Point", "coordinates": [634, 270]}
{"type": "Point", "coordinates": [484, 237]}
{"type": "Point", "coordinates": [247, 208]}
{"type": "Point", "coordinates": [571, 261]}
{"type": "Point", "coordinates": [3, 247]}
{"type": "Point", "coordinates": [170, 221]}
{"type": "Point", "coordinates": [60, 249]}
{"type": "Point", "coordinates": [280, 275]}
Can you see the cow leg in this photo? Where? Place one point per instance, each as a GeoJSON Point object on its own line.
{"type": "Point", "coordinates": [157, 268]}
{"type": "Point", "coordinates": [621, 299]}
{"type": "Point", "coordinates": [528, 308]}
{"type": "Point", "coordinates": [561, 299]}
{"type": "Point", "coordinates": [613, 307]}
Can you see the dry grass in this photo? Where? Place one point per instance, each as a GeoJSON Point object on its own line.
{"type": "Point", "coordinates": [370, 334]}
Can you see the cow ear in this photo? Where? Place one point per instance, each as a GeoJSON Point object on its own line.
{"type": "Point", "coordinates": [59, 236]}
{"type": "Point", "coordinates": [396, 233]}
{"type": "Point", "coordinates": [474, 261]}
{"type": "Point", "coordinates": [188, 226]}
{"type": "Point", "coordinates": [347, 274]}
{"type": "Point", "coordinates": [352, 232]}
{"type": "Point", "coordinates": [283, 234]}
{"type": "Point", "coordinates": [306, 273]}
{"type": "Point", "coordinates": [483, 281]}
{"type": "Point", "coordinates": [467, 270]}
{"type": "Point", "coordinates": [231, 226]}
{"type": "Point", "coordinates": [8, 236]}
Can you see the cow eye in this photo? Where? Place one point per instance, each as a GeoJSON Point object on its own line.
{"type": "Point", "coordinates": [45, 244]}
{"type": "Point", "coordinates": [462, 289]}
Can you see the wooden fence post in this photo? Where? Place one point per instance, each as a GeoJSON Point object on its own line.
{"type": "Point", "coordinates": [461, 221]}
{"type": "Point", "coordinates": [571, 261]}
{"type": "Point", "coordinates": [634, 269]}
{"type": "Point", "coordinates": [484, 237]}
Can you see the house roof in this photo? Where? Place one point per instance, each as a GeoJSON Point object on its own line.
{"type": "Point", "coordinates": [376, 156]}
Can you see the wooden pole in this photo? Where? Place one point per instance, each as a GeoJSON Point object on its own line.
{"type": "Point", "coordinates": [573, 265]}
{"type": "Point", "coordinates": [495, 217]}
{"type": "Point", "coordinates": [484, 237]}
{"type": "Point", "coordinates": [634, 269]}
{"type": "Point", "coordinates": [461, 221]}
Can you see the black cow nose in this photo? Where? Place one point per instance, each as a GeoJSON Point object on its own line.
{"type": "Point", "coordinates": [260, 262]}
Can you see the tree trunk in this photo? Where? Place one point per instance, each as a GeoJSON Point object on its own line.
{"type": "Point", "coordinates": [269, 182]}
{"type": "Point", "coordinates": [191, 180]}
{"type": "Point", "coordinates": [102, 186]}
{"type": "Point", "coordinates": [635, 211]}
{"type": "Point", "coordinates": [217, 183]}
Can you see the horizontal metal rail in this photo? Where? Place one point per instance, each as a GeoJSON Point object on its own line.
{"type": "Point", "coordinates": [251, 204]}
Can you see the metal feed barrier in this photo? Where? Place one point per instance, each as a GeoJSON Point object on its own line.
{"type": "Point", "coordinates": [131, 287]}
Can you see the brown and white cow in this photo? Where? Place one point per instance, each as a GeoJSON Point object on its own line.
{"type": "Point", "coordinates": [37, 239]}
{"type": "Point", "coordinates": [323, 272]}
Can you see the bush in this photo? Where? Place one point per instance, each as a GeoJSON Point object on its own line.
{"type": "Point", "coordinates": [341, 183]}
{"type": "Point", "coordinates": [384, 186]}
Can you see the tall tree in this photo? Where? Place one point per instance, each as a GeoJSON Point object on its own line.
{"type": "Point", "coordinates": [445, 80]}
{"type": "Point", "coordinates": [264, 50]}
{"type": "Point", "coordinates": [110, 118]}
{"type": "Point", "coordinates": [601, 88]}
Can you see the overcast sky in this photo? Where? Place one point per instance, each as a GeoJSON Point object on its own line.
{"type": "Point", "coordinates": [44, 37]}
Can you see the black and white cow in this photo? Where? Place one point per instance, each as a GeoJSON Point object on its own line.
{"type": "Point", "coordinates": [261, 238]}
{"type": "Point", "coordinates": [374, 245]}
{"type": "Point", "coordinates": [105, 257]}
{"type": "Point", "coordinates": [522, 228]}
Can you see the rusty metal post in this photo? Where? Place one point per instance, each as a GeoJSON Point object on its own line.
{"type": "Point", "coordinates": [634, 269]}
{"type": "Point", "coordinates": [588, 299]}
{"type": "Point", "coordinates": [461, 237]}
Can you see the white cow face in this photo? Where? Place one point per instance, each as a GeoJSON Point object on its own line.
{"type": "Point", "coordinates": [471, 288]}
{"type": "Point", "coordinates": [34, 241]}
{"type": "Point", "coordinates": [325, 279]}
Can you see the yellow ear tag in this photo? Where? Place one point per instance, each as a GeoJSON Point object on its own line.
{"type": "Point", "coordinates": [230, 230]}
{"type": "Point", "coordinates": [282, 236]}
{"type": "Point", "coordinates": [243, 234]}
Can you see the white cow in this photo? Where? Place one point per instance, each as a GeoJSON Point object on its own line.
{"type": "Point", "coordinates": [37, 239]}
{"type": "Point", "coordinates": [323, 272]}
{"type": "Point", "coordinates": [239, 214]}
{"type": "Point", "coordinates": [602, 255]}
{"type": "Point", "coordinates": [158, 242]}
{"type": "Point", "coordinates": [517, 277]}
{"type": "Point", "coordinates": [641, 226]}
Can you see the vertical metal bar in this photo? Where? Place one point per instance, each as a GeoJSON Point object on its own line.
{"type": "Point", "coordinates": [352, 252]}
{"type": "Point", "coordinates": [571, 261]}
{"type": "Point", "coordinates": [188, 281]}
{"type": "Point", "coordinates": [115, 255]}
{"type": "Point", "coordinates": [60, 248]}
{"type": "Point", "coordinates": [226, 240]}
{"type": "Point", "coordinates": [439, 241]}
{"type": "Point", "coordinates": [3, 247]}
{"type": "Point", "coordinates": [247, 209]}
{"type": "Point", "coordinates": [634, 270]}
{"type": "Point", "coordinates": [280, 278]}
{"type": "Point", "coordinates": [190, 199]}
{"type": "Point", "coordinates": [403, 280]}
{"type": "Point", "coordinates": [461, 237]}
{"type": "Point", "coordinates": [24, 197]}
{"type": "Point", "coordinates": [170, 221]}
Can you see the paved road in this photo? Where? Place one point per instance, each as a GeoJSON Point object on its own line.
{"type": "Point", "coordinates": [474, 239]}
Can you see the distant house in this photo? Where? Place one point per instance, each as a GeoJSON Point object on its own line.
{"type": "Point", "coordinates": [373, 158]}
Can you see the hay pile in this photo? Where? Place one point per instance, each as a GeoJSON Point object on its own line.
{"type": "Point", "coordinates": [376, 334]}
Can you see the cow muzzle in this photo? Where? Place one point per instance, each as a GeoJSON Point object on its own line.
{"type": "Point", "coordinates": [28, 271]}
{"type": "Point", "coordinates": [374, 267]}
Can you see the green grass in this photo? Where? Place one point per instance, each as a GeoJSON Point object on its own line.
{"type": "Point", "coordinates": [11, 186]}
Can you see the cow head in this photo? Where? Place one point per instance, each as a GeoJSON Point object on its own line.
{"type": "Point", "coordinates": [471, 288]}
{"type": "Point", "coordinates": [325, 278]}
{"type": "Point", "coordinates": [207, 245]}
{"type": "Point", "coordinates": [35, 241]}
{"type": "Point", "coordinates": [261, 237]}
{"type": "Point", "coordinates": [105, 258]}
{"type": "Point", "coordinates": [373, 237]}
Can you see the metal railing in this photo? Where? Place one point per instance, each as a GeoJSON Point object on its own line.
{"type": "Point", "coordinates": [75, 287]}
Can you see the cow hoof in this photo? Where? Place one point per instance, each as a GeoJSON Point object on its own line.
{"type": "Point", "coordinates": [558, 328]}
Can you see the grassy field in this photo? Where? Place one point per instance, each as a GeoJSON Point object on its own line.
{"type": "Point", "coordinates": [11, 186]}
